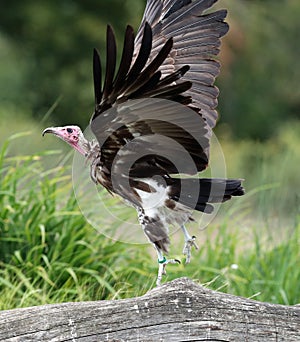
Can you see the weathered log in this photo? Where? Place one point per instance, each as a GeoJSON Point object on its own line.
{"type": "Point", "coordinates": [180, 310]}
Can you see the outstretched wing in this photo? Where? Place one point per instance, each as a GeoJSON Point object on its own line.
{"type": "Point", "coordinates": [138, 78]}
{"type": "Point", "coordinates": [196, 42]}
{"type": "Point", "coordinates": [170, 59]}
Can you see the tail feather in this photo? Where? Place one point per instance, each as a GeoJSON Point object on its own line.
{"type": "Point", "coordinates": [198, 194]}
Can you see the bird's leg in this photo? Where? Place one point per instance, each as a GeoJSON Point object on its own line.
{"type": "Point", "coordinates": [94, 170]}
{"type": "Point", "coordinates": [189, 243]}
{"type": "Point", "coordinates": [162, 263]}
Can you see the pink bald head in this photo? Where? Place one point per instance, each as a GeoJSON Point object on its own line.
{"type": "Point", "coordinates": [71, 135]}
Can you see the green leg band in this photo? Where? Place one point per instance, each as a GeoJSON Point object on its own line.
{"type": "Point", "coordinates": [162, 261]}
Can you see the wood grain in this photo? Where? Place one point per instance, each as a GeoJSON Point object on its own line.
{"type": "Point", "coordinates": [180, 310]}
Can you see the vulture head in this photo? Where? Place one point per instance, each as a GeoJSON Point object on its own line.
{"type": "Point", "coordinates": [71, 135]}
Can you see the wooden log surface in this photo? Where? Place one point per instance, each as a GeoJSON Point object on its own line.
{"type": "Point", "coordinates": [180, 310]}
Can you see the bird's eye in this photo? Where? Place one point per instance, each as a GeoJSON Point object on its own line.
{"type": "Point", "coordinates": [69, 130]}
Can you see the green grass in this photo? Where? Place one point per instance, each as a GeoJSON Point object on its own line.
{"type": "Point", "coordinates": [50, 254]}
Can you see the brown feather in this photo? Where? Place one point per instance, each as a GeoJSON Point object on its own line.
{"type": "Point", "coordinates": [97, 77]}
{"type": "Point", "coordinates": [111, 56]}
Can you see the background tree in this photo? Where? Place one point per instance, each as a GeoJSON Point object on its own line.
{"type": "Point", "coordinates": [46, 49]}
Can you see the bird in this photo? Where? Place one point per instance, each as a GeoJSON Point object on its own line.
{"type": "Point", "coordinates": [153, 120]}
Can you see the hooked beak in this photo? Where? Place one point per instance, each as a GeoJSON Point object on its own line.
{"type": "Point", "coordinates": [72, 140]}
{"type": "Point", "coordinates": [49, 130]}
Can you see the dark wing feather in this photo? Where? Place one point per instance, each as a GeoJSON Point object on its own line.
{"type": "Point", "coordinates": [172, 58]}
{"type": "Point", "coordinates": [152, 67]}
{"type": "Point", "coordinates": [151, 83]}
{"type": "Point", "coordinates": [135, 78]}
{"type": "Point", "coordinates": [97, 77]}
{"type": "Point", "coordinates": [164, 132]}
{"type": "Point", "coordinates": [111, 56]}
{"type": "Point", "coordinates": [175, 76]}
{"type": "Point", "coordinates": [143, 55]}
{"type": "Point", "coordinates": [196, 38]}
{"type": "Point", "coordinates": [169, 91]}
{"type": "Point", "coordinates": [177, 6]}
{"type": "Point", "coordinates": [125, 63]}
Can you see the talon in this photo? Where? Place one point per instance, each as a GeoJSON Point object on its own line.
{"type": "Point", "coordinates": [162, 268]}
{"type": "Point", "coordinates": [187, 248]}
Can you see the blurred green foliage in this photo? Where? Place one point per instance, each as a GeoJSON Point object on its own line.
{"type": "Point", "coordinates": [49, 253]}
{"type": "Point", "coordinates": [46, 48]}
{"type": "Point", "coordinates": [260, 89]}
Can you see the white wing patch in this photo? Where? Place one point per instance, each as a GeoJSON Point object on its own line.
{"type": "Point", "coordinates": [153, 204]}
{"type": "Point", "coordinates": [151, 201]}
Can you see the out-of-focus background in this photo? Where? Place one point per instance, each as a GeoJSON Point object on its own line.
{"type": "Point", "coordinates": [48, 253]}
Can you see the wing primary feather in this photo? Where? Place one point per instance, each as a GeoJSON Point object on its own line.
{"type": "Point", "coordinates": [126, 60]}
{"type": "Point", "coordinates": [111, 56]}
{"type": "Point", "coordinates": [171, 90]}
{"type": "Point", "coordinates": [151, 68]}
{"type": "Point", "coordinates": [143, 55]}
{"type": "Point", "coordinates": [149, 85]}
{"type": "Point", "coordinates": [157, 86]}
{"type": "Point", "coordinates": [97, 73]}
{"type": "Point", "coordinates": [174, 76]}
{"type": "Point", "coordinates": [176, 7]}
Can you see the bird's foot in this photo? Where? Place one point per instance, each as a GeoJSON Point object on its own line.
{"type": "Point", "coordinates": [162, 268]}
{"type": "Point", "coordinates": [189, 243]}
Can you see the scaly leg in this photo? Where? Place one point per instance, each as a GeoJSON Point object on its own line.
{"type": "Point", "coordinates": [189, 243]}
{"type": "Point", "coordinates": [162, 263]}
